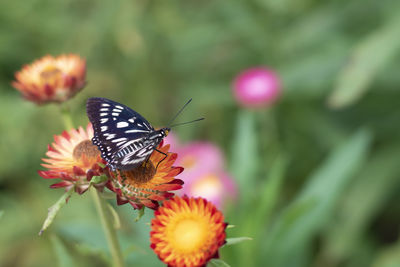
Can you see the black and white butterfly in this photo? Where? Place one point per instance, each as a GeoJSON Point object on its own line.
{"type": "Point", "coordinates": [124, 137]}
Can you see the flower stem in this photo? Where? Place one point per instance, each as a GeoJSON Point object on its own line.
{"type": "Point", "coordinates": [66, 115]}
{"type": "Point", "coordinates": [111, 234]}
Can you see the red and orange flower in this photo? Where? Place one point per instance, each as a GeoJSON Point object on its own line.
{"type": "Point", "coordinates": [74, 159]}
{"type": "Point", "coordinates": [148, 183]}
{"type": "Point", "coordinates": [51, 79]}
{"type": "Point", "coordinates": [187, 231]}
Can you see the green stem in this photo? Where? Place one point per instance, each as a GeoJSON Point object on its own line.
{"type": "Point", "coordinates": [111, 234]}
{"type": "Point", "coordinates": [66, 115]}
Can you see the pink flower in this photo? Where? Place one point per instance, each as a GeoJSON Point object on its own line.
{"type": "Point", "coordinates": [199, 157]}
{"type": "Point", "coordinates": [217, 187]}
{"type": "Point", "coordinates": [171, 140]}
{"type": "Point", "coordinates": [257, 87]}
{"type": "Point", "coordinates": [204, 174]}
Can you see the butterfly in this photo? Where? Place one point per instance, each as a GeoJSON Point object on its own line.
{"type": "Point", "coordinates": [124, 137]}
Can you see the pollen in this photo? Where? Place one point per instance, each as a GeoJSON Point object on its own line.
{"type": "Point", "coordinates": [189, 235]}
{"type": "Point", "coordinates": [50, 74]}
{"type": "Point", "coordinates": [85, 148]}
{"type": "Point", "coordinates": [140, 175]}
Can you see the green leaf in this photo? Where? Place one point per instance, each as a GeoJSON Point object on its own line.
{"type": "Point", "coordinates": [259, 218]}
{"type": "Point", "coordinates": [369, 57]}
{"type": "Point", "coordinates": [217, 263]}
{"type": "Point", "coordinates": [101, 165]}
{"type": "Point", "coordinates": [379, 181]}
{"type": "Point", "coordinates": [290, 238]}
{"type": "Point", "coordinates": [63, 257]}
{"type": "Point", "coordinates": [98, 179]}
{"type": "Point", "coordinates": [271, 191]}
{"type": "Point", "coordinates": [53, 210]}
{"type": "Point", "coordinates": [245, 152]}
{"type": "Point", "coordinates": [387, 257]}
{"type": "Point", "coordinates": [140, 215]}
{"type": "Point", "coordinates": [236, 240]}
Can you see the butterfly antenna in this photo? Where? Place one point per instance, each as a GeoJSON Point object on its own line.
{"type": "Point", "coordinates": [182, 123]}
{"type": "Point", "coordinates": [179, 112]}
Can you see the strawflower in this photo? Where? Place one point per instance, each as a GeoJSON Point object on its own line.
{"type": "Point", "coordinates": [217, 187]}
{"type": "Point", "coordinates": [147, 184]}
{"type": "Point", "coordinates": [74, 159]}
{"type": "Point", "coordinates": [205, 175]}
{"type": "Point", "coordinates": [257, 87]}
{"type": "Point", "coordinates": [198, 157]}
{"type": "Point", "coordinates": [51, 79]}
{"type": "Point", "coordinates": [187, 232]}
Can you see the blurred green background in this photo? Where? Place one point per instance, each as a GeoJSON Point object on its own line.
{"type": "Point", "coordinates": [318, 173]}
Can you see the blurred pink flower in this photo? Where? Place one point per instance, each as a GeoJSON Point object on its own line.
{"type": "Point", "coordinates": [257, 87]}
{"type": "Point", "coordinates": [217, 187]}
{"type": "Point", "coordinates": [204, 174]}
{"type": "Point", "coordinates": [199, 157]}
{"type": "Point", "coordinates": [172, 140]}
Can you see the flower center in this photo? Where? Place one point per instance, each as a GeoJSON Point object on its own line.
{"type": "Point", "coordinates": [189, 235]}
{"type": "Point", "coordinates": [208, 186]}
{"type": "Point", "coordinates": [188, 162]}
{"type": "Point", "coordinates": [85, 148]}
{"type": "Point", "coordinates": [50, 74]}
{"type": "Point", "coordinates": [139, 175]}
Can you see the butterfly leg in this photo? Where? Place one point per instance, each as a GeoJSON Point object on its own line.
{"type": "Point", "coordinates": [165, 156]}
{"type": "Point", "coordinates": [145, 165]}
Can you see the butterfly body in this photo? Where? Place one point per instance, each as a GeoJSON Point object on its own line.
{"type": "Point", "coordinates": [124, 138]}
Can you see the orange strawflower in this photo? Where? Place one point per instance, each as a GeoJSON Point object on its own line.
{"type": "Point", "coordinates": [147, 184]}
{"type": "Point", "coordinates": [74, 159]}
{"type": "Point", "coordinates": [50, 79]}
{"type": "Point", "coordinates": [187, 231]}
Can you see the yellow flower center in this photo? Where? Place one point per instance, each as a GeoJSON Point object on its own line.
{"type": "Point", "coordinates": [208, 186]}
{"type": "Point", "coordinates": [85, 148]}
{"type": "Point", "coordinates": [188, 162]}
{"type": "Point", "coordinates": [140, 175]}
{"type": "Point", "coordinates": [189, 235]}
{"type": "Point", "coordinates": [50, 74]}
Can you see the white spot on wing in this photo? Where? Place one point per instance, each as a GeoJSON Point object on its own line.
{"type": "Point", "coordinates": [110, 136]}
{"type": "Point", "coordinates": [120, 143]}
{"type": "Point", "coordinates": [126, 161]}
{"type": "Point", "coordinates": [136, 131]}
{"type": "Point", "coordinates": [103, 120]}
{"type": "Point", "coordinates": [105, 105]}
{"type": "Point", "coordinates": [130, 142]}
{"type": "Point", "coordinates": [103, 114]}
{"type": "Point", "coordinates": [115, 114]}
{"type": "Point", "coordinates": [104, 109]}
{"type": "Point", "coordinates": [116, 110]}
{"type": "Point", "coordinates": [119, 139]}
{"type": "Point", "coordinates": [147, 125]}
{"type": "Point", "coordinates": [103, 128]}
{"type": "Point", "coordinates": [122, 124]}
{"type": "Point", "coordinates": [120, 107]}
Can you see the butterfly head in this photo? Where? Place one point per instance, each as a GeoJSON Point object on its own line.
{"type": "Point", "coordinates": [165, 131]}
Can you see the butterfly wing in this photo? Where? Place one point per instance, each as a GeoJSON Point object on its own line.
{"type": "Point", "coordinates": [117, 127]}
{"type": "Point", "coordinates": [132, 155]}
